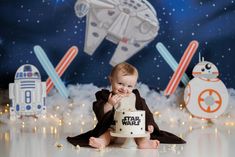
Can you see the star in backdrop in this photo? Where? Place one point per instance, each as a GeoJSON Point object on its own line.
{"type": "Point", "coordinates": [53, 25]}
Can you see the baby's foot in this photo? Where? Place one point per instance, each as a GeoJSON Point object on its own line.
{"type": "Point", "coordinates": [148, 144]}
{"type": "Point", "coordinates": [96, 142]}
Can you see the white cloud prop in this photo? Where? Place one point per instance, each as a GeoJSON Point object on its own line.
{"type": "Point", "coordinates": [77, 111]}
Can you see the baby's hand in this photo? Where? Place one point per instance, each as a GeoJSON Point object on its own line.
{"type": "Point", "coordinates": [150, 128]}
{"type": "Point", "coordinates": [114, 99]}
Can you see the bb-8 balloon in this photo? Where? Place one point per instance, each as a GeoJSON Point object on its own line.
{"type": "Point", "coordinates": [206, 95]}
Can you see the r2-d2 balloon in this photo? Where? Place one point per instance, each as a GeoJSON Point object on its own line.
{"type": "Point", "coordinates": [27, 94]}
{"type": "Point", "coordinates": [206, 95]}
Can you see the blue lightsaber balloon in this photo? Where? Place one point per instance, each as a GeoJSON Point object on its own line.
{"type": "Point", "coordinates": [171, 61]}
{"type": "Point", "coordinates": [48, 67]}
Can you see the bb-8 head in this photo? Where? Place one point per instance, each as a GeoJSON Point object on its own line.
{"type": "Point", "coordinates": [206, 70]}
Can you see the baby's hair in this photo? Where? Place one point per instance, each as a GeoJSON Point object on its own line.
{"type": "Point", "coordinates": [125, 68]}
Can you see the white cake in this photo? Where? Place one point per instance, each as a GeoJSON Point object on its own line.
{"type": "Point", "coordinates": [130, 122]}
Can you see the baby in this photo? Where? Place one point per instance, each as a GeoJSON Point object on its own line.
{"type": "Point", "coordinates": [123, 79]}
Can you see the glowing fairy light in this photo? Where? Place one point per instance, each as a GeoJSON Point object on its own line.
{"type": "Point", "coordinates": [57, 107]}
{"type": "Point", "coordinates": [69, 123]}
{"type": "Point", "coordinates": [52, 129]}
{"type": "Point", "coordinates": [8, 105]}
{"type": "Point", "coordinates": [55, 130]}
{"type": "Point", "coordinates": [83, 105]}
{"type": "Point", "coordinates": [35, 129]}
{"type": "Point", "coordinates": [60, 122]}
{"type": "Point", "coordinates": [229, 123]}
{"type": "Point", "coordinates": [83, 123]}
{"type": "Point", "coordinates": [7, 136]}
{"type": "Point", "coordinates": [202, 119]}
{"type": "Point", "coordinates": [181, 106]}
{"type": "Point", "coordinates": [158, 114]}
{"type": "Point", "coordinates": [44, 130]}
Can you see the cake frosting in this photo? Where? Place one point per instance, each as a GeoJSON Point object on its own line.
{"type": "Point", "coordinates": [130, 122]}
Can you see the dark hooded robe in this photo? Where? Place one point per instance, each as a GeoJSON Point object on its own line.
{"type": "Point", "coordinates": [105, 120]}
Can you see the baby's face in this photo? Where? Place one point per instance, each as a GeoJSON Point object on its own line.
{"type": "Point", "coordinates": [123, 85]}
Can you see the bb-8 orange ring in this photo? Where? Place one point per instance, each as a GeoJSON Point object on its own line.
{"type": "Point", "coordinates": [209, 80]}
{"type": "Point", "coordinates": [217, 100]}
{"type": "Point", "coordinates": [187, 94]}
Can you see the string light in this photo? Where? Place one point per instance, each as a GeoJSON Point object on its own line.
{"type": "Point", "coordinates": [157, 113]}
{"type": "Point", "coordinates": [55, 130]}
{"type": "Point", "coordinates": [52, 128]}
{"type": "Point", "coordinates": [60, 122]}
{"type": "Point", "coordinates": [6, 136]}
{"type": "Point", "coordinates": [181, 106]}
{"type": "Point", "coordinates": [229, 123]}
{"type": "Point", "coordinates": [190, 128]}
{"type": "Point", "coordinates": [44, 130]}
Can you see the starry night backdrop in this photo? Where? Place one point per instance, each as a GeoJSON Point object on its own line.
{"type": "Point", "coordinates": [53, 25]}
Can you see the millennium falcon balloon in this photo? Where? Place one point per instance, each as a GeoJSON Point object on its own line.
{"type": "Point", "coordinates": [131, 24]}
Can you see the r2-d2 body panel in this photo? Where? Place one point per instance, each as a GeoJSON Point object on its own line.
{"type": "Point", "coordinates": [27, 93]}
{"type": "Point", "coordinates": [205, 95]}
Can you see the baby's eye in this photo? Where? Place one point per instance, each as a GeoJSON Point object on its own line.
{"type": "Point", "coordinates": [120, 83]}
{"type": "Point", "coordinates": [130, 86]}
